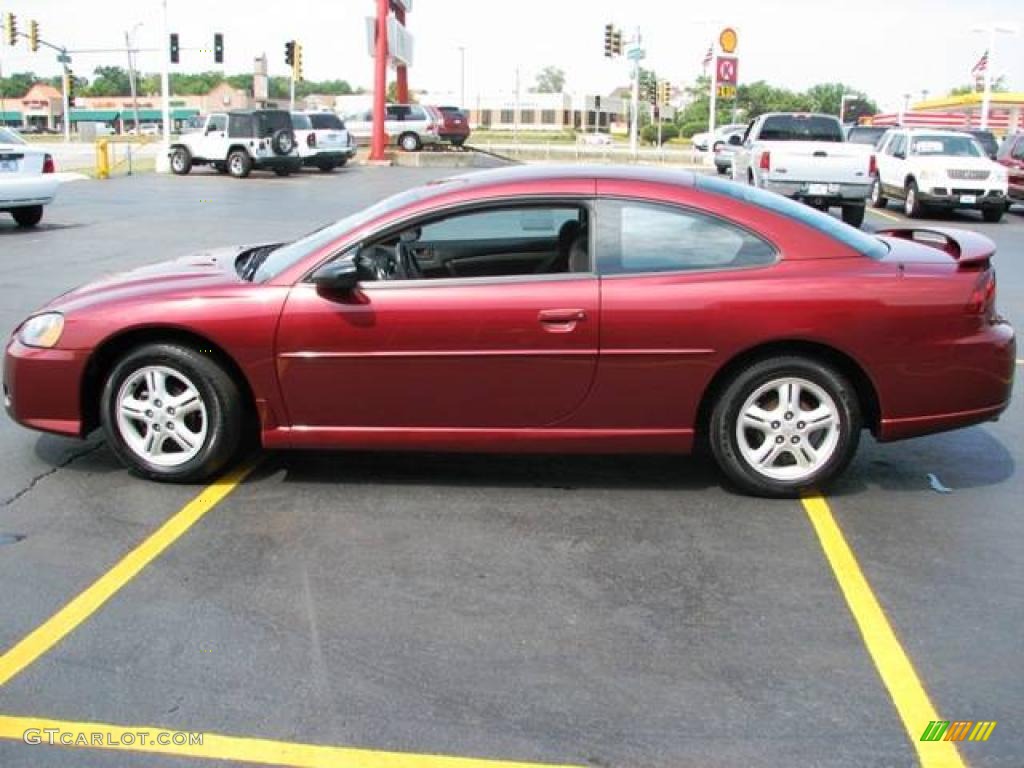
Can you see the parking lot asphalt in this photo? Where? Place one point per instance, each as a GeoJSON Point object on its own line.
{"type": "Point", "coordinates": [598, 611]}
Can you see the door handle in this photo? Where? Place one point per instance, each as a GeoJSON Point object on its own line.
{"type": "Point", "coordinates": [561, 316]}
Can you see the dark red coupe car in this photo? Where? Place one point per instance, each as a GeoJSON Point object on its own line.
{"type": "Point", "coordinates": [535, 309]}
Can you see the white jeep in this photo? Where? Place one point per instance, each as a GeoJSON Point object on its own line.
{"type": "Point", "coordinates": [238, 142]}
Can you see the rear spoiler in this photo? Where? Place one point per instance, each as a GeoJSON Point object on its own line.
{"type": "Point", "coordinates": [969, 249]}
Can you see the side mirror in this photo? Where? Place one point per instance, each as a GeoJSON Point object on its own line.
{"type": "Point", "coordinates": [338, 276]}
{"type": "Point", "coordinates": [900, 155]}
{"type": "Point", "coordinates": [736, 140]}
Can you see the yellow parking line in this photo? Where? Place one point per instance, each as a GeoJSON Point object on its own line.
{"type": "Point", "coordinates": [62, 623]}
{"type": "Point", "coordinates": [216, 746]}
{"type": "Point", "coordinates": [884, 215]}
{"type": "Point", "coordinates": [894, 666]}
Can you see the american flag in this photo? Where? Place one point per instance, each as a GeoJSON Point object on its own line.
{"type": "Point", "coordinates": [708, 57]}
{"type": "Point", "coordinates": [981, 66]}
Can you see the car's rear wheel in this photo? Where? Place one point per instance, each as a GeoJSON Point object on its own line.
{"type": "Point", "coordinates": [853, 214]}
{"type": "Point", "coordinates": [785, 425]}
{"type": "Point", "coordinates": [912, 202]}
{"type": "Point", "coordinates": [992, 213]}
{"type": "Point", "coordinates": [328, 165]}
{"type": "Point", "coordinates": [28, 216]}
{"type": "Point", "coordinates": [171, 413]}
{"type": "Point", "coordinates": [458, 142]}
{"type": "Point", "coordinates": [283, 171]}
{"type": "Point", "coordinates": [239, 164]}
{"type": "Point", "coordinates": [410, 142]}
{"type": "Point", "coordinates": [181, 161]}
{"type": "Point", "coordinates": [877, 198]}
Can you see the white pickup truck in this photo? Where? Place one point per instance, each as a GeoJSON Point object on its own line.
{"type": "Point", "coordinates": [804, 156]}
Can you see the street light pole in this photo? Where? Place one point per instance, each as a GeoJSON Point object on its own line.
{"type": "Point", "coordinates": [163, 162]}
{"type": "Point", "coordinates": [462, 77]}
{"type": "Point", "coordinates": [131, 76]}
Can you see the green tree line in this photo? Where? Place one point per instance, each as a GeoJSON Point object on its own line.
{"type": "Point", "coordinates": [114, 81]}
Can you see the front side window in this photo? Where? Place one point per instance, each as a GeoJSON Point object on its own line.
{"type": "Point", "coordinates": [637, 237]}
{"type": "Point", "coordinates": [218, 123]}
{"type": "Point", "coordinates": [416, 113]}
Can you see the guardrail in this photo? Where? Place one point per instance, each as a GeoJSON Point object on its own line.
{"type": "Point", "coordinates": [606, 153]}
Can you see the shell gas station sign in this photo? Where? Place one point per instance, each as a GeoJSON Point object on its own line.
{"type": "Point", "coordinates": [727, 66]}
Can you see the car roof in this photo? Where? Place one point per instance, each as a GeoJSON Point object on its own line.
{"type": "Point", "coordinates": [516, 174]}
{"type": "Point", "coordinates": [934, 131]}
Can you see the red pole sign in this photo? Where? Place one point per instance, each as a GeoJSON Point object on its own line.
{"type": "Point", "coordinates": [380, 81]}
{"type": "Point", "coordinates": [727, 70]}
{"type": "Point", "coordinates": [402, 72]}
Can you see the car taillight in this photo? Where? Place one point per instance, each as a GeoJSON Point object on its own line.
{"type": "Point", "coordinates": [983, 297]}
{"type": "Point", "coordinates": [48, 165]}
{"type": "Point", "coordinates": [872, 166]}
{"type": "Point", "coordinates": [311, 140]}
{"type": "Point", "coordinates": [766, 161]}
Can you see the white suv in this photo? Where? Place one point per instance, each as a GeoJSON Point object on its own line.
{"type": "Point", "coordinates": [929, 168]}
{"type": "Point", "coordinates": [238, 142]}
{"type": "Point", "coordinates": [323, 140]}
{"type": "Point", "coordinates": [410, 126]}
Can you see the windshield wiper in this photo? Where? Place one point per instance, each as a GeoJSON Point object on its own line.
{"type": "Point", "coordinates": [254, 260]}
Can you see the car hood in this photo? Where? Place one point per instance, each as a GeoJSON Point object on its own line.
{"type": "Point", "coordinates": [942, 163]}
{"type": "Point", "coordinates": [200, 274]}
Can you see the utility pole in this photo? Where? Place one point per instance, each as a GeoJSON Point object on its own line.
{"type": "Point", "coordinates": [634, 124]}
{"type": "Point", "coordinates": [131, 77]}
{"type": "Point", "coordinates": [712, 104]}
{"type": "Point", "coordinates": [515, 111]}
{"type": "Point", "coordinates": [462, 77]}
{"type": "Point", "coordinates": [163, 162]}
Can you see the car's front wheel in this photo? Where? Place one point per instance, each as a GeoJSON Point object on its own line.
{"type": "Point", "coordinates": [181, 161]}
{"type": "Point", "coordinates": [171, 413]}
{"type": "Point", "coordinates": [912, 202]}
{"type": "Point", "coordinates": [28, 216]}
{"type": "Point", "coordinates": [785, 425]}
{"type": "Point", "coordinates": [993, 213]}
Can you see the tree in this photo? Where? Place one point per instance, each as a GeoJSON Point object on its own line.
{"type": "Point", "coordinates": [17, 84]}
{"type": "Point", "coordinates": [549, 80]}
{"type": "Point", "coordinates": [997, 86]}
{"type": "Point", "coordinates": [826, 97]}
{"type": "Point", "coordinates": [110, 81]}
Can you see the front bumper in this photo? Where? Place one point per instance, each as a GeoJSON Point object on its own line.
{"type": "Point", "coordinates": [967, 197]}
{"type": "Point", "coordinates": [817, 193]}
{"type": "Point", "coordinates": [42, 387]}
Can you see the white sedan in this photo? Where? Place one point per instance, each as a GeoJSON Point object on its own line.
{"type": "Point", "coordinates": [28, 179]}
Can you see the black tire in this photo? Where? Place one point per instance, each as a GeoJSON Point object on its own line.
{"type": "Point", "coordinates": [342, 161]}
{"type": "Point", "coordinates": [912, 206]}
{"type": "Point", "coordinates": [283, 171]}
{"type": "Point", "coordinates": [993, 213]}
{"type": "Point", "coordinates": [239, 164]}
{"type": "Point", "coordinates": [878, 199]}
{"type": "Point", "coordinates": [218, 392]}
{"type": "Point", "coordinates": [326, 166]}
{"type": "Point", "coordinates": [27, 216]}
{"type": "Point", "coordinates": [459, 142]}
{"type": "Point", "coordinates": [854, 214]}
{"type": "Point", "coordinates": [723, 432]}
{"type": "Point", "coordinates": [282, 142]}
{"type": "Point", "coordinates": [181, 161]}
{"type": "Point", "coordinates": [410, 142]}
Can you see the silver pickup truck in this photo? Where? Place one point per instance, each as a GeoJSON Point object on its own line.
{"type": "Point", "coordinates": [805, 157]}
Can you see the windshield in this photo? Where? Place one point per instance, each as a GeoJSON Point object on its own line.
{"type": "Point", "coordinates": [861, 242]}
{"type": "Point", "coordinates": [955, 146]}
{"type": "Point", "coordinates": [800, 128]}
{"type": "Point", "coordinates": [300, 122]}
{"type": "Point", "coordinates": [325, 121]}
{"type": "Point", "coordinates": [284, 257]}
{"type": "Point", "coordinates": [8, 136]}
{"type": "Point", "coordinates": [866, 135]}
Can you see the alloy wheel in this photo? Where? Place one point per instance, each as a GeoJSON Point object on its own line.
{"type": "Point", "coordinates": [161, 416]}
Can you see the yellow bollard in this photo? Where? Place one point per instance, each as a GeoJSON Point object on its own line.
{"type": "Point", "coordinates": [102, 159]}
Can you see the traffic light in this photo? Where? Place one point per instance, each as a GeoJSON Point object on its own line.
{"type": "Point", "coordinates": [289, 54]}
{"type": "Point", "coordinates": [297, 69]}
{"type": "Point", "coordinates": [33, 36]}
{"type": "Point", "coordinates": [69, 86]}
{"type": "Point", "coordinates": [11, 28]}
{"type": "Point", "coordinates": [664, 92]}
{"type": "Point", "coordinates": [175, 48]}
{"type": "Point", "coordinates": [617, 43]}
{"type": "Point", "coordinates": [609, 40]}
{"type": "Point", "coordinates": [218, 48]}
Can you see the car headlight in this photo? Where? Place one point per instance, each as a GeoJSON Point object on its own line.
{"type": "Point", "coordinates": [42, 330]}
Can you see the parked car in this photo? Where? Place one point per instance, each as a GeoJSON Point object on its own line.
{"type": "Point", "coordinates": [988, 142]}
{"type": "Point", "coordinates": [804, 157]}
{"type": "Point", "coordinates": [701, 140]}
{"type": "Point", "coordinates": [930, 168]}
{"type": "Point", "coordinates": [724, 150]}
{"type": "Point", "coordinates": [595, 139]}
{"type": "Point", "coordinates": [868, 135]}
{"type": "Point", "coordinates": [487, 313]}
{"type": "Point", "coordinates": [238, 142]}
{"type": "Point", "coordinates": [1011, 155]}
{"type": "Point", "coordinates": [27, 180]}
{"type": "Point", "coordinates": [454, 125]}
{"type": "Point", "coordinates": [410, 126]}
{"type": "Point", "coordinates": [322, 140]}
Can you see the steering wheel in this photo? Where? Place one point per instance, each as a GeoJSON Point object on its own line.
{"type": "Point", "coordinates": [407, 262]}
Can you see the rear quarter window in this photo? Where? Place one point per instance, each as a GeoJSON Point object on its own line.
{"type": "Point", "coordinates": [326, 122]}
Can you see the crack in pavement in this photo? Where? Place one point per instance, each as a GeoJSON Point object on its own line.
{"type": "Point", "coordinates": [43, 475]}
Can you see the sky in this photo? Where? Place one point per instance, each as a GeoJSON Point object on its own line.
{"type": "Point", "coordinates": [886, 48]}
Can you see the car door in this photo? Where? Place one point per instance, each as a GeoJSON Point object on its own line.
{"type": "Point", "coordinates": [741, 158]}
{"type": "Point", "coordinates": [213, 144]}
{"type": "Point", "coordinates": [895, 165]}
{"type": "Point", "coordinates": [395, 122]}
{"type": "Point", "coordinates": [501, 351]}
